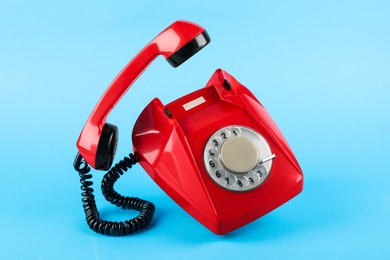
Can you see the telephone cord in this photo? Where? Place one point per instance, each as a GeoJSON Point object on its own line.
{"type": "Point", "coordinates": [112, 228]}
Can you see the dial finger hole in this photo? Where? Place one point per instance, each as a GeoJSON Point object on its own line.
{"type": "Point", "coordinates": [216, 142]}
{"type": "Point", "coordinates": [253, 179]}
{"type": "Point", "coordinates": [236, 131]}
{"type": "Point", "coordinates": [213, 164]}
{"type": "Point", "coordinates": [261, 171]}
{"type": "Point", "coordinates": [224, 135]}
{"type": "Point", "coordinates": [220, 173]}
{"type": "Point", "coordinates": [213, 152]}
{"type": "Point", "coordinates": [242, 182]}
{"type": "Point", "coordinates": [230, 180]}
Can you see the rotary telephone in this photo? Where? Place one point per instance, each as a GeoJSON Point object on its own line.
{"type": "Point", "coordinates": [216, 151]}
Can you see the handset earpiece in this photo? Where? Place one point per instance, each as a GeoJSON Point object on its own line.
{"type": "Point", "coordinates": [177, 43]}
{"type": "Point", "coordinates": [188, 50]}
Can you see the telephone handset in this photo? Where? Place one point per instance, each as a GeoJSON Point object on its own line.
{"type": "Point", "coordinates": [216, 151]}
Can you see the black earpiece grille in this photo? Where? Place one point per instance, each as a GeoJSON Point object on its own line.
{"type": "Point", "coordinates": [188, 50]}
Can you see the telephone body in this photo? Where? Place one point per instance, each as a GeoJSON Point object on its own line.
{"type": "Point", "coordinates": [216, 152]}
{"type": "Point", "coordinates": [172, 150]}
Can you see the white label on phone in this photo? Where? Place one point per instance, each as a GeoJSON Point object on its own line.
{"type": "Point", "coordinates": [194, 103]}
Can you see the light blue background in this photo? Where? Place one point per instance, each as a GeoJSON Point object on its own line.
{"type": "Point", "coordinates": [321, 68]}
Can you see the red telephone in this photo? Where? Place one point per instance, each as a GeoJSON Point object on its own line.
{"type": "Point", "coordinates": [216, 151]}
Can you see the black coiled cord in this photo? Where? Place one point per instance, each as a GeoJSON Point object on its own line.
{"type": "Point", "coordinates": [112, 228]}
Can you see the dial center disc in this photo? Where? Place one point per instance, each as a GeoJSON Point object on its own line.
{"type": "Point", "coordinates": [239, 155]}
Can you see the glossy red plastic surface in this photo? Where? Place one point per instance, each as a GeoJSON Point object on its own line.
{"type": "Point", "coordinates": [166, 43]}
{"type": "Point", "coordinates": [170, 149]}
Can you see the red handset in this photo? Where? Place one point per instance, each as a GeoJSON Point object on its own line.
{"type": "Point", "coordinates": [177, 43]}
{"type": "Point", "coordinates": [216, 151]}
